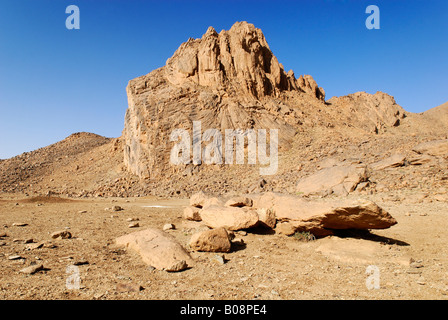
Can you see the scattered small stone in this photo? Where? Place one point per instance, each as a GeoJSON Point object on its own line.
{"type": "Point", "coordinates": [66, 258]}
{"type": "Point", "coordinates": [416, 265]}
{"type": "Point", "coordinates": [179, 266]}
{"type": "Point", "coordinates": [23, 241]}
{"type": "Point", "coordinates": [98, 295]}
{"type": "Point", "coordinates": [3, 234]}
{"type": "Point", "coordinates": [80, 262]}
{"type": "Point", "coordinates": [62, 234]}
{"type": "Point", "coordinates": [168, 226]}
{"type": "Point", "coordinates": [134, 225]}
{"type": "Point", "coordinates": [117, 208]}
{"type": "Point", "coordinates": [19, 224]}
{"type": "Point", "coordinates": [241, 233]}
{"type": "Point", "coordinates": [423, 214]}
{"type": "Point", "coordinates": [49, 245]}
{"type": "Point", "coordinates": [407, 214]}
{"type": "Point", "coordinates": [413, 271]}
{"type": "Point", "coordinates": [32, 268]}
{"type": "Point", "coordinates": [421, 281]}
{"type": "Point", "coordinates": [132, 219]}
{"type": "Point", "coordinates": [82, 211]}
{"type": "Point", "coordinates": [33, 246]}
{"type": "Point", "coordinates": [128, 287]}
{"type": "Point", "coordinates": [219, 258]}
{"type": "Point", "coordinates": [14, 257]}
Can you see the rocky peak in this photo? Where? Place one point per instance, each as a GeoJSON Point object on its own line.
{"type": "Point", "coordinates": [238, 60]}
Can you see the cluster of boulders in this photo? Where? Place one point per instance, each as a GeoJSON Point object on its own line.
{"type": "Point", "coordinates": [284, 214]}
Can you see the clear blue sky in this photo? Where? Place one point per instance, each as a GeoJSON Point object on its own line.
{"type": "Point", "coordinates": [55, 81]}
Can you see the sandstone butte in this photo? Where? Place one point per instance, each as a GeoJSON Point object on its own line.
{"type": "Point", "coordinates": [232, 80]}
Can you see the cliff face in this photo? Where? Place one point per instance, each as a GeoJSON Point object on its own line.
{"type": "Point", "coordinates": [232, 80]}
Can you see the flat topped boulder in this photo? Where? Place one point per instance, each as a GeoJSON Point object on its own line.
{"type": "Point", "coordinates": [321, 217]}
{"type": "Point", "coordinates": [157, 249]}
{"type": "Point", "coordinates": [230, 218]}
{"type": "Point", "coordinates": [339, 179]}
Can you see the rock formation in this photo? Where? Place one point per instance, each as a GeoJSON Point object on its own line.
{"type": "Point", "coordinates": [232, 80]}
{"type": "Point", "coordinates": [288, 214]}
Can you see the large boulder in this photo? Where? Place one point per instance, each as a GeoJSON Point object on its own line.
{"type": "Point", "coordinates": [214, 240]}
{"type": "Point", "coordinates": [157, 249]}
{"type": "Point", "coordinates": [323, 217]}
{"type": "Point", "coordinates": [339, 180]}
{"type": "Point", "coordinates": [230, 218]}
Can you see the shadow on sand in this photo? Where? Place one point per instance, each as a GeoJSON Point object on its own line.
{"type": "Point", "coordinates": [367, 235]}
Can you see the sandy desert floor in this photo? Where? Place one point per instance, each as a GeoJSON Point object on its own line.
{"type": "Point", "coordinates": [410, 258]}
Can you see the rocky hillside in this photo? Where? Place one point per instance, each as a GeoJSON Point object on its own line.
{"type": "Point", "coordinates": [80, 162]}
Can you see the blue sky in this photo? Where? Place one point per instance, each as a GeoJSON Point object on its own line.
{"type": "Point", "coordinates": [55, 81]}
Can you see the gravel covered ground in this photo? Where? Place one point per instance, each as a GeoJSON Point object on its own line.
{"type": "Point", "coordinates": [409, 260]}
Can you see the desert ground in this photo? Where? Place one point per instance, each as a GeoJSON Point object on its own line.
{"type": "Point", "coordinates": [411, 256]}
